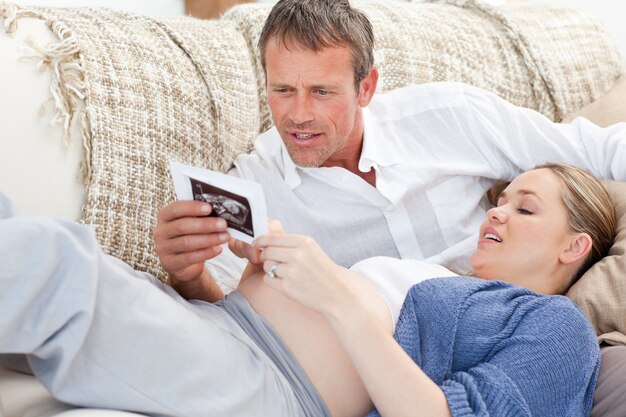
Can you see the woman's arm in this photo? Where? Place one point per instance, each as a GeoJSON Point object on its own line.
{"type": "Point", "coordinates": [500, 350]}
{"type": "Point", "coordinates": [396, 385]}
{"type": "Point", "coordinates": [484, 348]}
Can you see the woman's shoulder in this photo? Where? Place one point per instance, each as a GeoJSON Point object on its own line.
{"type": "Point", "coordinates": [562, 317]}
{"type": "Point", "coordinates": [477, 297]}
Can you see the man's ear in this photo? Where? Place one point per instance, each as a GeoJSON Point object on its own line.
{"type": "Point", "coordinates": [368, 87]}
{"type": "Point", "coordinates": [578, 249]}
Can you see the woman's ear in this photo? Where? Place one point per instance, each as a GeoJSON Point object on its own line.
{"type": "Point", "coordinates": [579, 247]}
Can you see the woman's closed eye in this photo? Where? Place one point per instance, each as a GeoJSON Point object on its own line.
{"type": "Point", "coordinates": [524, 211]}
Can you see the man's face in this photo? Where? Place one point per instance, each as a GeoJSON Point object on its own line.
{"type": "Point", "coordinates": [314, 104]}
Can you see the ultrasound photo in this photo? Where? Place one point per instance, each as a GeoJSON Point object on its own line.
{"type": "Point", "coordinates": [238, 201]}
{"type": "Point", "coordinates": [232, 207]}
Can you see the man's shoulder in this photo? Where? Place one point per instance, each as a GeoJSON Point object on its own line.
{"type": "Point", "coordinates": [418, 98]}
{"type": "Point", "coordinates": [438, 87]}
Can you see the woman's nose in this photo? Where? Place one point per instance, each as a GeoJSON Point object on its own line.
{"type": "Point", "coordinates": [497, 214]}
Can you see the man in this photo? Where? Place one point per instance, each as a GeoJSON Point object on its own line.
{"type": "Point", "coordinates": [402, 174]}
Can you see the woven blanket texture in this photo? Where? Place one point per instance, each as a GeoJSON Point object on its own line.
{"type": "Point", "coordinates": [192, 91]}
{"type": "Point", "coordinates": [552, 59]}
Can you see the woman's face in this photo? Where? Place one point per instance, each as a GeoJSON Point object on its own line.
{"type": "Point", "coordinates": [523, 237]}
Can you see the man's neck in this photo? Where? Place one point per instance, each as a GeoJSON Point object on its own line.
{"type": "Point", "coordinates": [369, 177]}
{"type": "Point", "coordinates": [353, 166]}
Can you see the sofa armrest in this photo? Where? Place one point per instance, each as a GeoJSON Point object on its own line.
{"type": "Point", "coordinates": [37, 171]}
{"type": "Point", "coordinates": [22, 395]}
{"type": "Point", "coordinates": [83, 412]}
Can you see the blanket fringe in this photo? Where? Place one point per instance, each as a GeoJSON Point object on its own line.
{"type": "Point", "coordinates": [67, 86]}
{"type": "Point", "coordinates": [8, 12]}
{"type": "Point", "coordinates": [85, 131]}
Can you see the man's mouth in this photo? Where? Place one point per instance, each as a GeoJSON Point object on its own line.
{"type": "Point", "coordinates": [303, 136]}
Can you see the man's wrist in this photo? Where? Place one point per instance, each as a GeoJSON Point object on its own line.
{"type": "Point", "coordinates": [201, 288]}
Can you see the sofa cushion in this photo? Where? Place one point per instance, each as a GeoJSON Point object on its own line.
{"type": "Point", "coordinates": [601, 291]}
{"type": "Point", "coordinates": [608, 109]}
{"type": "Point", "coordinates": [609, 399]}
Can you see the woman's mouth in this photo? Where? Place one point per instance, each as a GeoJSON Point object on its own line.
{"type": "Point", "coordinates": [491, 235]}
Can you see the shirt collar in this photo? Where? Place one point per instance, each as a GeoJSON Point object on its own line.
{"type": "Point", "coordinates": [292, 177]}
{"type": "Point", "coordinates": [374, 153]}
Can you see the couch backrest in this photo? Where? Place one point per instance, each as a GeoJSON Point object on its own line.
{"type": "Point", "coordinates": [183, 89]}
{"type": "Point", "coordinates": [552, 59]}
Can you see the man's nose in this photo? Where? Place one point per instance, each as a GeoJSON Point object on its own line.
{"type": "Point", "coordinates": [302, 110]}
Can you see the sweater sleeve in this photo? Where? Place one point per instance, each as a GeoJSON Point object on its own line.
{"type": "Point", "coordinates": [508, 351]}
{"type": "Point", "coordinates": [550, 372]}
{"type": "Point", "coordinates": [484, 391]}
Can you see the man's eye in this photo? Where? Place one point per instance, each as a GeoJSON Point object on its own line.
{"type": "Point", "coordinates": [524, 211]}
{"type": "Point", "coordinates": [322, 92]}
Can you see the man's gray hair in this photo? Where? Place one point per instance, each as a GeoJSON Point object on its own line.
{"type": "Point", "coordinates": [318, 24]}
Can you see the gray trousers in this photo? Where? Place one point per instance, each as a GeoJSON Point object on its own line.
{"type": "Point", "coordinates": [99, 334]}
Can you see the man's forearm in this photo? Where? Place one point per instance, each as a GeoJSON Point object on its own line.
{"type": "Point", "coordinates": [204, 288]}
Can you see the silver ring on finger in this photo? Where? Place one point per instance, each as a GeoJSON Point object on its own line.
{"type": "Point", "coordinates": [272, 272]}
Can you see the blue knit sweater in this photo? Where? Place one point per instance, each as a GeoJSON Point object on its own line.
{"type": "Point", "coordinates": [499, 350]}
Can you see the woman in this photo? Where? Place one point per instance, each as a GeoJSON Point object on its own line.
{"type": "Point", "coordinates": [483, 348]}
{"type": "Point", "coordinates": [318, 341]}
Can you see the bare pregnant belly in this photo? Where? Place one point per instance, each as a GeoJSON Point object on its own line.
{"type": "Point", "coordinates": [314, 344]}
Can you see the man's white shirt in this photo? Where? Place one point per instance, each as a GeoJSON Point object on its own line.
{"type": "Point", "coordinates": [436, 148]}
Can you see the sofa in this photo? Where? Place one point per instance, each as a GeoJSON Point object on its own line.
{"type": "Point", "coordinates": [96, 102]}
